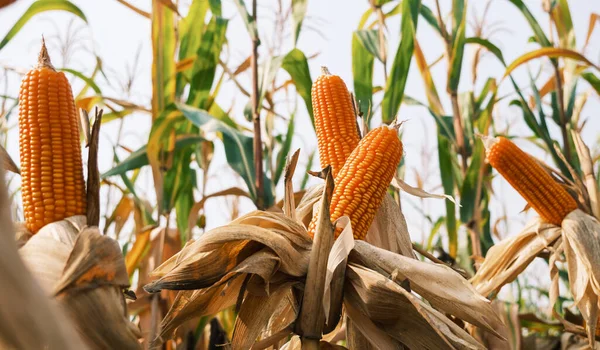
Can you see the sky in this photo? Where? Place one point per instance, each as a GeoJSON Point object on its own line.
{"type": "Point", "coordinates": [122, 39]}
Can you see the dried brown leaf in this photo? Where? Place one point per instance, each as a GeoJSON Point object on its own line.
{"type": "Point", "coordinates": [28, 318]}
{"type": "Point", "coordinates": [94, 261]}
{"type": "Point", "coordinates": [441, 286]}
{"type": "Point", "coordinates": [7, 162]}
{"type": "Point", "coordinates": [389, 230]}
{"type": "Point", "coordinates": [400, 314]}
{"type": "Point", "coordinates": [508, 258]}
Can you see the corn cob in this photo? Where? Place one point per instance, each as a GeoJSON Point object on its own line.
{"type": "Point", "coordinates": [362, 182]}
{"type": "Point", "coordinates": [548, 198]}
{"type": "Point", "coordinates": [51, 167]}
{"type": "Point", "coordinates": [335, 121]}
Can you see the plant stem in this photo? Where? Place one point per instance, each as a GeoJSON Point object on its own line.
{"type": "Point", "coordinates": [457, 121]}
{"type": "Point", "coordinates": [258, 163]}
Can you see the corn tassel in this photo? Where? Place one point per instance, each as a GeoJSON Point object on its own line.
{"type": "Point", "coordinates": [335, 121]}
{"type": "Point", "coordinates": [362, 182]}
{"type": "Point", "coordinates": [547, 197]}
{"type": "Point", "coordinates": [52, 181]}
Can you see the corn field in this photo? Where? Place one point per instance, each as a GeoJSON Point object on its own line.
{"type": "Point", "coordinates": [299, 174]}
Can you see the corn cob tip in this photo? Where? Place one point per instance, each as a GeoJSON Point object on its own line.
{"type": "Point", "coordinates": [396, 124]}
{"type": "Point", "coordinates": [325, 71]}
{"type": "Point", "coordinates": [488, 141]}
{"type": "Point", "coordinates": [44, 57]}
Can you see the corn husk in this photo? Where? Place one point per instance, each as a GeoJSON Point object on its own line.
{"type": "Point", "coordinates": [279, 278]}
{"type": "Point", "coordinates": [29, 319]}
{"type": "Point", "coordinates": [508, 258]}
{"type": "Point", "coordinates": [85, 272]}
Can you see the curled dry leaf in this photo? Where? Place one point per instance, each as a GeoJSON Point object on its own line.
{"type": "Point", "coordinates": [7, 162]}
{"type": "Point", "coordinates": [400, 184]}
{"type": "Point", "coordinates": [29, 319]}
{"type": "Point", "coordinates": [85, 271]}
{"type": "Point", "coordinates": [508, 258]}
{"type": "Point", "coordinates": [581, 240]}
{"type": "Point", "coordinates": [401, 315]}
{"type": "Point", "coordinates": [444, 288]}
{"type": "Point", "coordinates": [389, 230]}
{"type": "Point", "coordinates": [304, 210]}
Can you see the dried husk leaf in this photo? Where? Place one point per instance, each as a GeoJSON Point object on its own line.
{"type": "Point", "coordinates": [218, 251]}
{"type": "Point", "coordinates": [312, 316]}
{"type": "Point", "coordinates": [400, 314]}
{"type": "Point", "coordinates": [587, 167]}
{"type": "Point", "coordinates": [100, 316]}
{"type": "Point", "coordinates": [254, 315]}
{"type": "Point", "coordinates": [336, 273]}
{"type": "Point", "coordinates": [508, 258]}
{"type": "Point", "coordinates": [362, 333]}
{"type": "Point", "coordinates": [28, 318]}
{"type": "Point", "coordinates": [195, 303]}
{"type": "Point", "coordinates": [7, 162]}
{"type": "Point", "coordinates": [400, 184]}
{"type": "Point", "coordinates": [304, 210]}
{"type": "Point", "coordinates": [86, 272]}
{"type": "Point", "coordinates": [389, 230]}
{"type": "Point", "coordinates": [581, 240]}
{"type": "Point", "coordinates": [289, 203]}
{"type": "Point", "coordinates": [95, 260]}
{"type": "Point", "coordinates": [22, 234]}
{"type": "Point", "coordinates": [444, 288]}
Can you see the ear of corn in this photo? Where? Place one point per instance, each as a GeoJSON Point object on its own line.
{"type": "Point", "coordinates": [335, 121]}
{"type": "Point", "coordinates": [548, 198]}
{"type": "Point", "coordinates": [52, 181]}
{"type": "Point", "coordinates": [362, 182]}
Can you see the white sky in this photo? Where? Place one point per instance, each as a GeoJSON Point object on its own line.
{"type": "Point", "coordinates": [116, 33]}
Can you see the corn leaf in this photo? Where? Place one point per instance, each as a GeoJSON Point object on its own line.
{"type": "Point", "coordinates": [205, 66]}
{"type": "Point", "coordinates": [90, 82]}
{"type": "Point", "coordinates": [551, 52]}
{"type": "Point", "coordinates": [285, 150]}
{"type": "Point", "coordinates": [39, 7]}
{"type": "Point", "coordinates": [445, 161]}
{"type": "Point", "coordinates": [238, 148]}
{"type": "Point", "coordinates": [469, 187]}
{"type": "Point", "coordinates": [298, 12]}
{"type": "Point", "coordinates": [535, 26]}
{"type": "Point", "coordinates": [593, 80]}
{"type": "Point", "coordinates": [296, 64]}
{"type": "Point", "coordinates": [248, 21]}
{"type": "Point", "coordinates": [429, 17]}
{"type": "Point", "coordinates": [362, 72]}
{"type": "Point", "coordinates": [488, 45]}
{"type": "Point", "coordinates": [432, 95]}
{"type": "Point", "coordinates": [191, 29]}
{"type": "Point", "coordinates": [594, 17]}
{"type": "Point", "coordinates": [396, 82]}
{"type": "Point", "coordinates": [163, 61]}
{"type": "Point", "coordinates": [564, 24]}
{"type": "Point", "coordinates": [370, 41]}
{"type": "Point", "coordinates": [458, 44]}
{"type": "Point", "coordinates": [139, 158]}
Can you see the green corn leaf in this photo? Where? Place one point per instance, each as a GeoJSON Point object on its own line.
{"type": "Point", "coordinates": [298, 12]}
{"type": "Point", "coordinates": [39, 7]}
{"type": "Point", "coordinates": [362, 71]}
{"type": "Point", "coordinates": [396, 82]}
{"type": "Point", "coordinates": [296, 64]}
{"type": "Point", "coordinates": [205, 65]}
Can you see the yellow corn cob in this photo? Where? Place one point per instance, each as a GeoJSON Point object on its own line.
{"type": "Point", "coordinates": [362, 182]}
{"type": "Point", "coordinates": [51, 168]}
{"type": "Point", "coordinates": [335, 121]}
{"type": "Point", "coordinates": [548, 198]}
